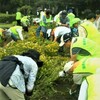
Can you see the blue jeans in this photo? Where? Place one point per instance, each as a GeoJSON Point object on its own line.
{"type": "Point", "coordinates": [38, 31]}
{"type": "Point", "coordinates": [44, 30]}
{"type": "Point", "coordinates": [14, 37]}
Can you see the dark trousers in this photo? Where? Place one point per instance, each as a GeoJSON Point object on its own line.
{"type": "Point", "coordinates": [18, 22]}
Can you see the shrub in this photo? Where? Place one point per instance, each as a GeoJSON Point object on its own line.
{"type": "Point", "coordinates": [7, 18]}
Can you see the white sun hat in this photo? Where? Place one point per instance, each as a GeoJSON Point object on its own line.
{"type": "Point", "coordinates": [68, 65]}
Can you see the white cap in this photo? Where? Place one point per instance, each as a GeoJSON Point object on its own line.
{"type": "Point", "coordinates": [49, 32]}
{"type": "Point", "coordinates": [68, 65]}
{"type": "Point", "coordinates": [64, 38]}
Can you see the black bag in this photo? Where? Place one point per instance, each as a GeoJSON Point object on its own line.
{"type": "Point", "coordinates": [7, 67]}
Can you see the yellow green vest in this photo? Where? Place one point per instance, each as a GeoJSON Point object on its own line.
{"type": "Point", "coordinates": [87, 45]}
{"type": "Point", "coordinates": [47, 21]}
{"type": "Point", "coordinates": [25, 21]}
{"type": "Point", "coordinates": [88, 65]}
{"type": "Point", "coordinates": [93, 87]}
{"type": "Point", "coordinates": [1, 34]}
{"type": "Point", "coordinates": [18, 16]}
{"type": "Point", "coordinates": [71, 16]}
{"type": "Point", "coordinates": [1, 31]}
{"type": "Point", "coordinates": [91, 30]}
{"type": "Point", "coordinates": [13, 30]}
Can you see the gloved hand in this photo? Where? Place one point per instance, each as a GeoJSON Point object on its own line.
{"type": "Point", "coordinates": [61, 74]}
{"type": "Point", "coordinates": [68, 65]}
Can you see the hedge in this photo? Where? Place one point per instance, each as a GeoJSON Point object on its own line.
{"type": "Point", "coordinates": [7, 18]}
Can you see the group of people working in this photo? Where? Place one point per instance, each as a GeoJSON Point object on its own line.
{"type": "Point", "coordinates": [84, 59]}
{"type": "Point", "coordinates": [15, 32]}
{"type": "Point", "coordinates": [18, 72]}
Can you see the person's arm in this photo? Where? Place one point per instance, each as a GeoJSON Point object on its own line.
{"type": "Point", "coordinates": [73, 57]}
{"type": "Point", "coordinates": [74, 54]}
{"type": "Point", "coordinates": [32, 77]}
{"type": "Point", "coordinates": [20, 34]}
{"type": "Point", "coordinates": [82, 32]}
{"type": "Point", "coordinates": [83, 91]}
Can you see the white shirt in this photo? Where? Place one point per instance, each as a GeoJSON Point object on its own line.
{"type": "Point", "coordinates": [83, 91]}
{"type": "Point", "coordinates": [97, 23]}
{"type": "Point", "coordinates": [61, 30]}
{"type": "Point", "coordinates": [20, 33]}
{"type": "Point", "coordinates": [18, 79]}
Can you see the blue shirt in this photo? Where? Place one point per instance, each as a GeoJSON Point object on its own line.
{"type": "Point", "coordinates": [18, 79]}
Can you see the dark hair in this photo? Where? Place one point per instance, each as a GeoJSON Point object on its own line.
{"type": "Point", "coordinates": [91, 15]}
{"type": "Point", "coordinates": [86, 12]}
{"type": "Point", "coordinates": [35, 55]}
{"type": "Point", "coordinates": [32, 53]}
{"type": "Point", "coordinates": [47, 11]}
{"type": "Point", "coordinates": [97, 12]}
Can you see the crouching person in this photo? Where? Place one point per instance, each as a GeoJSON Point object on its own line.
{"type": "Point", "coordinates": [18, 74]}
{"type": "Point", "coordinates": [80, 70]}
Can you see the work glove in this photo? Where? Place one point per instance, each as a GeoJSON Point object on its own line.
{"type": "Point", "coordinates": [68, 65]}
{"type": "Point", "coordinates": [61, 74]}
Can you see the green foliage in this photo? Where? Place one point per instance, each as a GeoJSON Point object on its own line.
{"type": "Point", "coordinates": [26, 9]}
{"type": "Point", "coordinates": [7, 18]}
{"type": "Point", "coordinates": [44, 88]}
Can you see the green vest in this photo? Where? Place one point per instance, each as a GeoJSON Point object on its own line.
{"type": "Point", "coordinates": [88, 65]}
{"type": "Point", "coordinates": [71, 16]}
{"type": "Point", "coordinates": [1, 40]}
{"type": "Point", "coordinates": [48, 20]}
{"type": "Point", "coordinates": [91, 30]}
{"type": "Point", "coordinates": [93, 87]}
{"type": "Point", "coordinates": [25, 21]}
{"type": "Point", "coordinates": [18, 16]}
{"type": "Point", "coordinates": [87, 46]}
{"type": "Point", "coordinates": [1, 35]}
{"type": "Point", "coordinates": [1, 31]}
{"type": "Point", "coordinates": [13, 30]}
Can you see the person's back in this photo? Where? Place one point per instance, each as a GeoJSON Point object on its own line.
{"type": "Point", "coordinates": [17, 31]}
{"type": "Point", "coordinates": [63, 20]}
{"type": "Point", "coordinates": [82, 47]}
{"type": "Point", "coordinates": [1, 39]}
{"type": "Point", "coordinates": [21, 71]}
{"type": "Point", "coordinates": [97, 21]}
{"type": "Point", "coordinates": [93, 87]}
{"type": "Point", "coordinates": [90, 88]}
{"type": "Point", "coordinates": [71, 16]}
{"type": "Point", "coordinates": [18, 17]}
{"type": "Point", "coordinates": [90, 31]}
{"type": "Point", "coordinates": [27, 66]}
{"type": "Point", "coordinates": [87, 65]}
